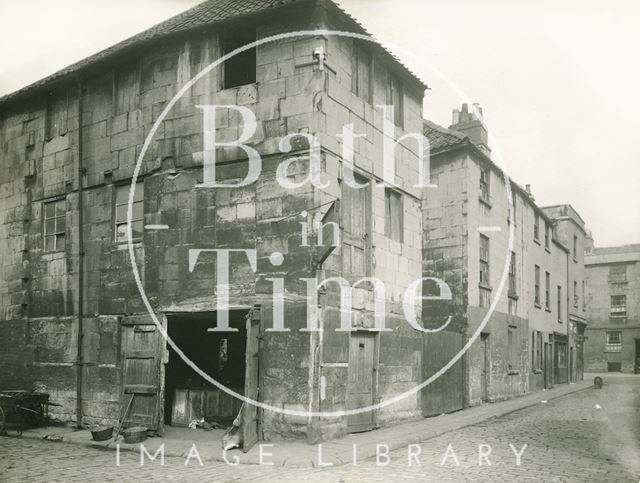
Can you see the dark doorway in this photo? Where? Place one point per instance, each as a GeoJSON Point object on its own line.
{"type": "Point", "coordinates": [484, 375]}
{"type": "Point", "coordinates": [636, 366]}
{"type": "Point", "coordinates": [221, 355]}
{"type": "Point", "coordinates": [614, 366]}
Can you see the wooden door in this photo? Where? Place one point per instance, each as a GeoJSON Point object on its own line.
{"type": "Point", "coordinates": [249, 425]}
{"type": "Point", "coordinates": [360, 392]}
{"type": "Point", "coordinates": [446, 393]}
{"type": "Point", "coordinates": [484, 374]}
{"type": "Point", "coordinates": [355, 230]}
{"type": "Point", "coordinates": [142, 350]}
{"type": "Point", "coordinates": [548, 366]}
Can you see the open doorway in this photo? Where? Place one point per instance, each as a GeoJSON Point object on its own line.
{"type": "Point", "coordinates": [221, 355]}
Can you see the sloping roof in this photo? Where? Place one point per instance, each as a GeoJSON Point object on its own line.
{"type": "Point", "coordinates": [206, 13]}
{"type": "Point", "coordinates": [440, 137]}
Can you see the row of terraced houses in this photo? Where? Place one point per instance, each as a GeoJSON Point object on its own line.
{"type": "Point", "coordinates": [73, 322]}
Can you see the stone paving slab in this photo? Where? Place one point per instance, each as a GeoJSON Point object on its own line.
{"type": "Point", "coordinates": [299, 454]}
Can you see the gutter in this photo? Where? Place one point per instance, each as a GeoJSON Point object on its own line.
{"type": "Point", "coordinates": [80, 355]}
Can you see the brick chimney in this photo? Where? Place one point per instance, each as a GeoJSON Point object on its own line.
{"type": "Point", "coordinates": [472, 125]}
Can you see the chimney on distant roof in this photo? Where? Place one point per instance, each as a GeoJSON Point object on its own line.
{"type": "Point", "coordinates": [472, 125]}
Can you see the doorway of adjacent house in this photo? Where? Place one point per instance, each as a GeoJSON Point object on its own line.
{"type": "Point", "coordinates": [484, 375]}
{"type": "Point", "coordinates": [189, 399]}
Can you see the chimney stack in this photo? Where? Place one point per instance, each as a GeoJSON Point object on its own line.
{"type": "Point", "coordinates": [471, 124]}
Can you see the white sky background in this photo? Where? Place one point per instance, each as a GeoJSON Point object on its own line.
{"type": "Point", "coordinates": [558, 80]}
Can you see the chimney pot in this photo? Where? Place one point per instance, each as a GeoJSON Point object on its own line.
{"type": "Point", "coordinates": [528, 188]}
{"type": "Point", "coordinates": [456, 116]}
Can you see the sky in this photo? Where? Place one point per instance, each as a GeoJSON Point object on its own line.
{"type": "Point", "coordinates": [557, 80]}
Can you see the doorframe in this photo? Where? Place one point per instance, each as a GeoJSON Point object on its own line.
{"type": "Point", "coordinates": [163, 318]}
{"type": "Point", "coordinates": [374, 375]}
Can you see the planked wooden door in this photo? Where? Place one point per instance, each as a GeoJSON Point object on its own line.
{"type": "Point", "coordinates": [446, 393]}
{"type": "Point", "coordinates": [249, 425]}
{"type": "Point", "coordinates": [484, 374]}
{"type": "Point", "coordinates": [360, 392]}
{"type": "Point", "coordinates": [142, 350]}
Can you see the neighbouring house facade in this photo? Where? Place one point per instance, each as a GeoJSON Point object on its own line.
{"type": "Point", "coordinates": [72, 320]}
{"type": "Point", "coordinates": [612, 339]}
{"type": "Point", "coordinates": [525, 344]}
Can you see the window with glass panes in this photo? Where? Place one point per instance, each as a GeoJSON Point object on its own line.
{"type": "Point", "coordinates": [54, 224]}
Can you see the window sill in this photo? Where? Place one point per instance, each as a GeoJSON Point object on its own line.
{"type": "Point", "coordinates": [537, 305]}
{"type": "Point", "coordinates": [547, 309]}
{"type": "Point", "coordinates": [547, 249]}
{"type": "Point", "coordinates": [560, 321]}
{"type": "Point", "coordinates": [512, 295]}
{"type": "Point", "coordinates": [537, 371]}
{"type": "Point", "coordinates": [125, 245]}
{"type": "Point", "coordinates": [484, 201]}
{"type": "Point", "coordinates": [484, 286]}
{"type": "Point", "coordinates": [536, 240]}
{"type": "Point", "coordinates": [513, 373]}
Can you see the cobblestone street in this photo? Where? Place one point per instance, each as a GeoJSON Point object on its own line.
{"type": "Point", "coordinates": [588, 436]}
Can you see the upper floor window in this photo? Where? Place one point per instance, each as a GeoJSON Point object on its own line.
{"type": "Point", "coordinates": [547, 236]}
{"type": "Point", "coordinates": [512, 275]}
{"type": "Point", "coordinates": [536, 295]}
{"type": "Point", "coordinates": [361, 78]}
{"type": "Point", "coordinates": [395, 98]}
{"type": "Point", "coordinates": [575, 294]}
{"type": "Point", "coordinates": [484, 260]}
{"type": "Point", "coordinates": [484, 183]}
{"type": "Point", "coordinates": [536, 227]}
{"type": "Point", "coordinates": [56, 114]}
{"type": "Point", "coordinates": [618, 274]}
{"type": "Point", "coordinates": [618, 306]}
{"type": "Point", "coordinates": [559, 303]}
{"type": "Point", "coordinates": [121, 207]}
{"type": "Point", "coordinates": [575, 247]}
{"type": "Point", "coordinates": [547, 290]}
{"type": "Point", "coordinates": [54, 225]}
{"type": "Point", "coordinates": [240, 69]}
{"type": "Point", "coordinates": [393, 214]}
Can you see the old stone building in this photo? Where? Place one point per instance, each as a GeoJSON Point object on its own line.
{"type": "Point", "coordinates": [73, 322]}
{"type": "Point", "coordinates": [527, 342]}
{"type": "Point", "coordinates": [613, 307]}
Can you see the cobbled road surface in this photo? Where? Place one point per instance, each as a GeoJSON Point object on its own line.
{"type": "Point", "coordinates": [591, 436]}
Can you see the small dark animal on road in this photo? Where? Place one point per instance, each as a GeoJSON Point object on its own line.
{"type": "Point", "coordinates": [597, 382]}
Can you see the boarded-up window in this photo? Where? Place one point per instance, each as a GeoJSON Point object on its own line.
{"type": "Point", "coordinates": [240, 69]}
{"type": "Point", "coordinates": [395, 98]}
{"type": "Point", "coordinates": [536, 227]}
{"type": "Point", "coordinates": [57, 113]}
{"type": "Point", "coordinates": [393, 223]}
{"type": "Point", "coordinates": [361, 68]}
{"type": "Point", "coordinates": [355, 225]}
{"type": "Point", "coordinates": [121, 207]}
{"type": "Point", "coordinates": [618, 274]}
{"type": "Point", "coordinates": [54, 225]}
{"type": "Point", "coordinates": [126, 89]}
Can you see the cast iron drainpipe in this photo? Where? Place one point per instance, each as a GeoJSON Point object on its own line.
{"type": "Point", "coordinates": [79, 356]}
